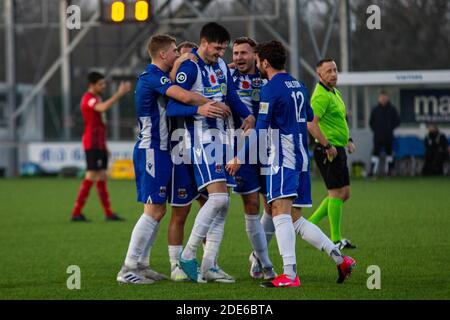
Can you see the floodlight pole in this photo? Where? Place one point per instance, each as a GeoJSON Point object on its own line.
{"type": "Point", "coordinates": [293, 37]}
{"type": "Point", "coordinates": [65, 70]}
{"type": "Point", "coordinates": [10, 69]}
{"type": "Point", "coordinates": [344, 35]}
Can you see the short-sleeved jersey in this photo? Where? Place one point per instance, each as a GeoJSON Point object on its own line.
{"type": "Point", "coordinates": [150, 104]}
{"type": "Point", "coordinates": [248, 88]}
{"type": "Point", "coordinates": [330, 108]}
{"type": "Point", "coordinates": [94, 135]}
{"type": "Point", "coordinates": [212, 81]}
{"type": "Point", "coordinates": [284, 106]}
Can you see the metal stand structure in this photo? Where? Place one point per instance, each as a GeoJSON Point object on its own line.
{"type": "Point", "coordinates": [169, 16]}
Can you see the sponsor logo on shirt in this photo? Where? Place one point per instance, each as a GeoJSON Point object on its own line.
{"type": "Point", "coordinates": [164, 80]}
{"type": "Point", "coordinates": [244, 93]}
{"type": "Point", "coordinates": [181, 77]}
{"type": "Point", "coordinates": [210, 91]}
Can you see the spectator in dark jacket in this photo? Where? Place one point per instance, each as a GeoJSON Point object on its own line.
{"type": "Point", "coordinates": [436, 151]}
{"type": "Point", "coordinates": [383, 120]}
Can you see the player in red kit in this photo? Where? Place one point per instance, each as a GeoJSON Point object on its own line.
{"type": "Point", "coordinates": [94, 144]}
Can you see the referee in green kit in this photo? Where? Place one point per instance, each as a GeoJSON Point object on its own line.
{"type": "Point", "coordinates": [330, 115]}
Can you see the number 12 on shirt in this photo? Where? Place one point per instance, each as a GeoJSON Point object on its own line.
{"type": "Point", "coordinates": [298, 96]}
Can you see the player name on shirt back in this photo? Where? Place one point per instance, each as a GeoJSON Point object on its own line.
{"type": "Point", "coordinates": [293, 84]}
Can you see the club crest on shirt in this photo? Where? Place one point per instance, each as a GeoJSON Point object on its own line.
{"type": "Point", "coordinates": [219, 73]}
{"type": "Point", "coordinates": [256, 82]}
{"type": "Point", "coordinates": [219, 168]}
{"type": "Point", "coordinates": [162, 191]}
{"type": "Point", "coordinates": [182, 193]}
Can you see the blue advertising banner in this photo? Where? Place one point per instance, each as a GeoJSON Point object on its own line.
{"type": "Point", "coordinates": [425, 105]}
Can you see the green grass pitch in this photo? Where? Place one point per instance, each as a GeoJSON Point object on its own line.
{"type": "Point", "coordinates": [401, 225]}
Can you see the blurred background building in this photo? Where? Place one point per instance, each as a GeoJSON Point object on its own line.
{"type": "Point", "coordinates": [44, 64]}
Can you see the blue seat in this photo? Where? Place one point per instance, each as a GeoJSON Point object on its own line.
{"type": "Point", "coordinates": [409, 146]}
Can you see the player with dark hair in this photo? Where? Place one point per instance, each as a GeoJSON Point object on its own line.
{"type": "Point", "coordinates": [249, 183]}
{"type": "Point", "coordinates": [94, 143]}
{"type": "Point", "coordinates": [284, 107]}
{"type": "Point", "coordinates": [211, 77]}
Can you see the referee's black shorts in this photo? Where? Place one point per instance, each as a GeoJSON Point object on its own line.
{"type": "Point", "coordinates": [334, 173]}
{"type": "Point", "coordinates": [96, 159]}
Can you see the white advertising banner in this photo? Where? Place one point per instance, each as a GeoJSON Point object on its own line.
{"type": "Point", "coordinates": [53, 156]}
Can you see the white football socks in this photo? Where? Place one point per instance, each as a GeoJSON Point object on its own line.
{"type": "Point", "coordinates": [285, 233]}
{"type": "Point", "coordinates": [216, 203]}
{"type": "Point", "coordinates": [314, 236]}
{"type": "Point", "coordinates": [213, 240]}
{"type": "Point", "coordinates": [267, 224]}
{"type": "Point", "coordinates": [257, 238]}
{"type": "Point", "coordinates": [140, 237]}
{"type": "Point", "coordinates": [174, 254]}
{"type": "Point", "coordinates": [144, 259]}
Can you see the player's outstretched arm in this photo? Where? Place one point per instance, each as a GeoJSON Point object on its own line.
{"type": "Point", "coordinates": [185, 96]}
{"type": "Point", "coordinates": [124, 87]}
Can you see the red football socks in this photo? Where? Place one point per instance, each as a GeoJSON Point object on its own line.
{"type": "Point", "coordinates": [83, 193]}
{"type": "Point", "coordinates": [104, 197]}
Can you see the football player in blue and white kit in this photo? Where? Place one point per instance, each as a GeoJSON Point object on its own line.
{"type": "Point", "coordinates": [152, 160]}
{"type": "Point", "coordinates": [210, 77]}
{"type": "Point", "coordinates": [249, 183]}
{"type": "Point", "coordinates": [183, 186]}
{"type": "Point", "coordinates": [284, 107]}
{"type": "Point", "coordinates": [183, 189]}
